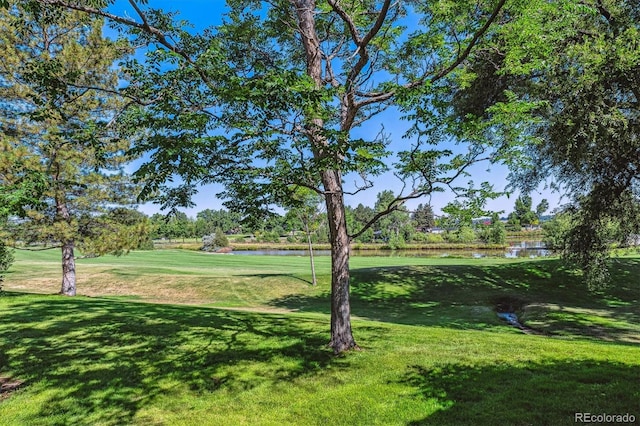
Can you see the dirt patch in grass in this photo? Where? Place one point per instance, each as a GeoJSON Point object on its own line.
{"type": "Point", "coordinates": [8, 385]}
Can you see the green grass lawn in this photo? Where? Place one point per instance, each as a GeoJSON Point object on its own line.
{"type": "Point", "coordinates": [433, 350]}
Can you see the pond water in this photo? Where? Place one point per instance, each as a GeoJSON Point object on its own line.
{"type": "Point", "coordinates": [522, 249]}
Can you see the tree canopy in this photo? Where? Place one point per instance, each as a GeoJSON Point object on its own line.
{"type": "Point", "coordinates": [560, 83]}
{"type": "Point", "coordinates": [267, 102]}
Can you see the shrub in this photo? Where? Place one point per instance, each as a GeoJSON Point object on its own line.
{"type": "Point", "coordinates": [463, 235]}
{"type": "Point", "coordinates": [220, 239]}
{"type": "Point", "coordinates": [6, 259]}
{"type": "Point", "coordinates": [215, 241]}
{"type": "Point", "coordinates": [466, 235]}
{"type": "Point", "coordinates": [397, 242]}
{"type": "Point", "coordinates": [494, 233]}
{"type": "Point", "coordinates": [269, 237]}
{"type": "Point", "coordinates": [435, 238]}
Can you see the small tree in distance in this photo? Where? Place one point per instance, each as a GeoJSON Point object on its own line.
{"type": "Point", "coordinates": [541, 208]}
{"type": "Point", "coordinates": [423, 217]}
{"type": "Point", "coordinates": [496, 233]}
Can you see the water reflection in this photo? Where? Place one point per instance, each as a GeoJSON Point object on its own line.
{"type": "Point", "coordinates": [527, 249]}
{"type": "Point", "coordinates": [522, 249]}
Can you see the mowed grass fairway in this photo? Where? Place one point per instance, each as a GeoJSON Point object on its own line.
{"type": "Point", "coordinates": [242, 340]}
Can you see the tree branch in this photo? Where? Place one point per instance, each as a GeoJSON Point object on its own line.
{"type": "Point", "coordinates": [476, 38]}
{"type": "Point", "coordinates": [353, 30]}
{"type": "Point", "coordinates": [156, 33]}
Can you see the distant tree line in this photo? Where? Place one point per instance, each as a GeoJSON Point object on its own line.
{"type": "Point", "coordinates": [400, 227]}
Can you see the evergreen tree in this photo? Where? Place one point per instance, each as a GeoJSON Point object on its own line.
{"type": "Point", "coordinates": [423, 217]}
{"type": "Point", "coordinates": [56, 118]}
{"type": "Point", "coordinates": [497, 233]}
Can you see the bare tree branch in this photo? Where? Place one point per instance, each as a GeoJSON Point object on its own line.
{"type": "Point", "coordinates": [157, 34]}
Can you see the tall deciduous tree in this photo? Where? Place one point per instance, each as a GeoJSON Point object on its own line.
{"type": "Point", "coordinates": [56, 76]}
{"type": "Point", "coordinates": [522, 213]}
{"type": "Point", "coordinates": [268, 101]}
{"type": "Point", "coordinates": [562, 81]}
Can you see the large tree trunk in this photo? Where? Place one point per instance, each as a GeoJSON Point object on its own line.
{"type": "Point", "coordinates": [68, 269]}
{"type": "Point", "coordinates": [341, 335]}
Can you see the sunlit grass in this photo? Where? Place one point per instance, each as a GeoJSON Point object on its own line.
{"type": "Point", "coordinates": [434, 351]}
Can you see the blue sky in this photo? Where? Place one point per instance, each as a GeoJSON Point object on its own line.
{"type": "Point", "coordinates": [204, 13]}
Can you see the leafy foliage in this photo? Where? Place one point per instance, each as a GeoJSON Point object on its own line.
{"type": "Point", "coordinates": [523, 215]}
{"type": "Point", "coordinates": [215, 241]}
{"type": "Point", "coordinates": [560, 84]}
{"type": "Point", "coordinates": [394, 226]}
{"type": "Point", "coordinates": [556, 230]}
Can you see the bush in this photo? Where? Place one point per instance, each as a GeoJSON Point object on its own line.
{"type": "Point", "coordinates": [494, 233]}
{"type": "Point", "coordinates": [435, 238]}
{"type": "Point", "coordinates": [463, 235]}
{"type": "Point", "coordinates": [269, 237]}
{"type": "Point", "coordinates": [215, 241]}
{"type": "Point", "coordinates": [6, 259]}
{"type": "Point", "coordinates": [397, 242]}
{"type": "Point", "coordinates": [220, 239]}
{"type": "Point", "coordinates": [466, 235]}
{"type": "Point", "coordinates": [418, 237]}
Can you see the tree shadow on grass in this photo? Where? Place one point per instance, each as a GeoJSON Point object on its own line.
{"type": "Point", "coordinates": [102, 361]}
{"type": "Point", "coordinates": [465, 296]}
{"type": "Point", "coordinates": [547, 393]}
{"type": "Point", "coordinates": [263, 276]}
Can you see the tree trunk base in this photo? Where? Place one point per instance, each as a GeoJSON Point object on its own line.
{"type": "Point", "coordinates": [342, 347]}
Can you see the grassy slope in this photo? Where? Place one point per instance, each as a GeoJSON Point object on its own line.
{"type": "Point", "coordinates": [434, 352]}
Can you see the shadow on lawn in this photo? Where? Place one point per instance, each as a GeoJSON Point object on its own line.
{"type": "Point", "coordinates": [464, 296]}
{"type": "Point", "coordinates": [531, 394]}
{"type": "Point", "coordinates": [263, 276]}
{"type": "Point", "coordinates": [101, 362]}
